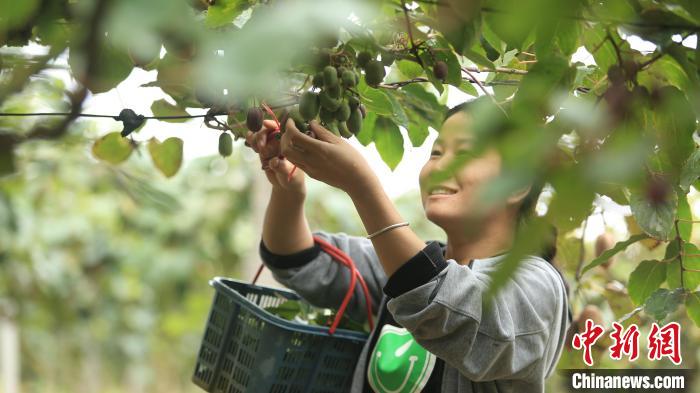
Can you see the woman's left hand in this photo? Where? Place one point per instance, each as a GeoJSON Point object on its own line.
{"type": "Point", "coordinates": [328, 158]}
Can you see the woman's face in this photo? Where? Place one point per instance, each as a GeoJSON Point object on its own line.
{"type": "Point", "coordinates": [454, 200]}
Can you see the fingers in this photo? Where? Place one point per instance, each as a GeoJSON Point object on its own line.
{"type": "Point", "coordinates": [322, 133]}
{"type": "Point", "coordinates": [269, 124]}
{"type": "Point", "coordinates": [303, 141]}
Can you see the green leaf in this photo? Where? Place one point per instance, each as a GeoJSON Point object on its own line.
{"type": "Point", "coordinates": [645, 279]}
{"type": "Point", "coordinates": [692, 305]}
{"type": "Point", "coordinates": [572, 201]}
{"type": "Point", "coordinates": [536, 88]}
{"type": "Point", "coordinates": [167, 156]}
{"type": "Point", "coordinates": [595, 41]}
{"type": "Point", "coordinates": [422, 104]}
{"type": "Point", "coordinates": [223, 12]}
{"type": "Point", "coordinates": [658, 25]}
{"type": "Point", "coordinates": [567, 37]}
{"type": "Point", "coordinates": [409, 69]}
{"type": "Point", "coordinates": [618, 247]}
{"type": "Point", "coordinates": [675, 123]}
{"type": "Point", "coordinates": [164, 108]}
{"type": "Point", "coordinates": [503, 92]}
{"type": "Point", "coordinates": [422, 109]}
{"type": "Point", "coordinates": [685, 216]}
{"type": "Point", "coordinates": [680, 54]}
{"type": "Point", "coordinates": [287, 310]}
{"type": "Point", "coordinates": [111, 67]}
{"type": "Point", "coordinates": [469, 88]}
{"type": "Point", "coordinates": [376, 100]}
{"type": "Point", "coordinates": [512, 27]}
{"type": "Point", "coordinates": [112, 148]}
{"type": "Point", "coordinates": [691, 171]}
{"type": "Point", "coordinates": [417, 133]}
{"type": "Point", "coordinates": [654, 219]}
{"type": "Point", "coordinates": [389, 141]}
{"type": "Point", "coordinates": [663, 302]}
{"type": "Point", "coordinates": [366, 134]}
{"type": "Point", "coordinates": [16, 14]}
{"type": "Point", "coordinates": [478, 58]}
{"type": "Point", "coordinates": [398, 115]}
{"type": "Point", "coordinates": [175, 79]}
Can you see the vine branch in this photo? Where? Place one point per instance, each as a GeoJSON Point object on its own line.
{"type": "Point", "coordinates": [680, 250]}
{"type": "Point", "coordinates": [414, 49]}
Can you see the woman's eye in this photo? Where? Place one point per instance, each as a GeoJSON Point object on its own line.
{"type": "Point", "coordinates": [435, 153]}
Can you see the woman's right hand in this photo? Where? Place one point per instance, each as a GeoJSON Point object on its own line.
{"type": "Point", "coordinates": [276, 169]}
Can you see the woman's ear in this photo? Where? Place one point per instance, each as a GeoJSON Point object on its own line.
{"type": "Point", "coordinates": [519, 195]}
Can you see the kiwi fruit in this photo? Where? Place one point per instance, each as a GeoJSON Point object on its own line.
{"type": "Point", "coordinates": [225, 144]}
{"type": "Point", "coordinates": [343, 112]}
{"type": "Point", "coordinates": [308, 105]}
{"type": "Point", "coordinates": [354, 122]}
{"type": "Point", "coordinates": [330, 76]}
{"type": "Point", "coordinates": [343, 129]}
{"type": "Point", "coordinates": [603, 243]}
{"type": "Point", "coordinates": [363, 58]}
{"type": "Point", "coordinates": [354, 102]}
{"type": "Point", "coordinates": [317, 80]}
{"type": "Point", "coordinates": [440, 70]}
{"type": "Point", "coordinates": [374, 73]}
{"type": "Point", "coordinates": [326, 116]}
{"type": "Point", "coordinates": [328, 102]}
{"type": "Point", "coordinates": [348, 78]}
{"type": "Point", "coordinates": [254, 119]}
{"type": "Point", "coordinates": [298, 119]}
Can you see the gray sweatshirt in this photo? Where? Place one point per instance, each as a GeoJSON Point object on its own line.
{"type": "Point", "coordinates": [511, 347]}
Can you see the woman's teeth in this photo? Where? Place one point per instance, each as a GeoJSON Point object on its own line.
{"type": "Point", "coordinates": [442, 191]}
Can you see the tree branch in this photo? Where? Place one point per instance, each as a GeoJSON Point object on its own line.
{"type": "Point", "coordinates": [680, 250]}
{"type": "Point", "coordinates": [414, 49]}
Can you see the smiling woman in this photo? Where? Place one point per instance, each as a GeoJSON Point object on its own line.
{"type": "Point", "coordinates": [436, 329]}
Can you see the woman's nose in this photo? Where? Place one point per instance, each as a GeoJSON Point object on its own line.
{"type": "Point", "coordinates": [442, 162]}
{"type": "Point", "coordinates": [441, 168]}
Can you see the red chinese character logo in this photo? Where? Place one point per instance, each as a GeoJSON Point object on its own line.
{"type": "Point", "coordinates": [586, 339]}
{"type": "Point", "coordinates": [626, 342]}
{"type": "Point", "coordinates": [665, 341]}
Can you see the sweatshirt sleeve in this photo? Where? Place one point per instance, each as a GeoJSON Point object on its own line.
{"type": "Point", "coordinates": [446, 312]}
{"type": "Point", "coordinates": [322, 281]}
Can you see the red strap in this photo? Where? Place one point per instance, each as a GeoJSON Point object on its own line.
{"type": "Point", "coordinates": [345, 260]}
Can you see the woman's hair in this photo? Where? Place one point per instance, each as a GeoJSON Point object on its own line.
{"type": "Point", "coordinates": [526, 210]}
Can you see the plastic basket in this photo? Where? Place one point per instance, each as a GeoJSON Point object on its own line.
{"type": "Point", "coordinates": [247, 349]}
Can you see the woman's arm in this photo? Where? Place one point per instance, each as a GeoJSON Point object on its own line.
{"type": "Point", "coordinates": [287, 247]}
{"type": "Point", "coordinates": [376, 210]}
{"type": "Point", "coordinates": [333, 161]}
{"type": "Point", "coordinates": [285, 230]}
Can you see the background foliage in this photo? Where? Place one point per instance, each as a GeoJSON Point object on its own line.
{"type": "Point", "coordinates": [109, 261]}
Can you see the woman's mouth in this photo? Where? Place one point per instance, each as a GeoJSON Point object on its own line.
{"type": "Point", "coordinates": [441, 192]}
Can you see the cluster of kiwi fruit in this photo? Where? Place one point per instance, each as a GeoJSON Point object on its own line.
{"type": "Point", "coordinates": [333, 98]}
{"type": "Point", "coordinates": [335, 103]}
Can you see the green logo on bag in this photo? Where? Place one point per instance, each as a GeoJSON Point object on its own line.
{"type": "Point", "coordinates": [398, 364]}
